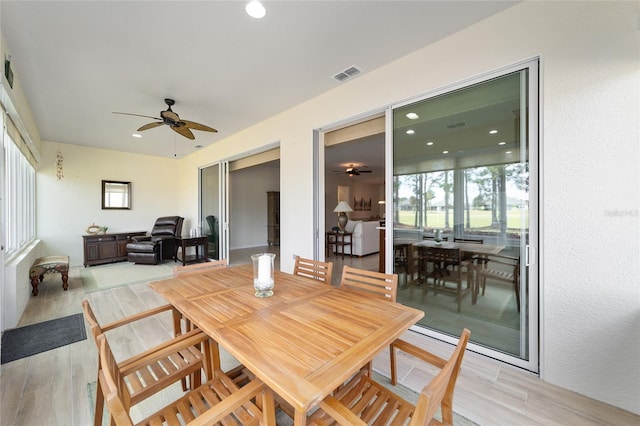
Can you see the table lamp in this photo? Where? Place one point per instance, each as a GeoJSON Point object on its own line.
{"type": "Point", "coordinates": [342, 208]}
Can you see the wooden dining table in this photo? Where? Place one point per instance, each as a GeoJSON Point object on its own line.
{"type": "Point", "coordinates": [472, 249]}
{"type": "Point", "coordinates": [303, 342]}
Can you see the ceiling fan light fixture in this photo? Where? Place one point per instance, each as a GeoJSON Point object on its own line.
{"type": "Point", "coordinates": [255, 9]}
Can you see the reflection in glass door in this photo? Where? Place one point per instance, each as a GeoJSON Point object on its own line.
{"type": "Point", "coordinates": [213, 209]}
{"type": "Point", "coordinates": [464, 212]}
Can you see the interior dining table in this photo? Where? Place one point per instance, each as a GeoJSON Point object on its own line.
{"type": "Point", "coordinates": [471, 249]}
{"type": "Point", "coordinates": [303, 342]}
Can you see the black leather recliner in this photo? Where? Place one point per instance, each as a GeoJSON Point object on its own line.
{"type": "Point", "coordinates": [160, 245]}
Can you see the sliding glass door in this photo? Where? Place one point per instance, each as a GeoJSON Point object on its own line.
{"type": "Point", "coordinates": [214, 208]}
{"type": "Point", "coordinates": [465, 212]}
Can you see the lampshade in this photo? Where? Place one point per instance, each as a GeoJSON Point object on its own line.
{"type": "Point", "coordinates": [343, 206]}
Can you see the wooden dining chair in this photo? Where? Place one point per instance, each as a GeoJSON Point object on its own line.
{"type": "Point", "coordinates": [447, 267]}
{"type": "Point", "coordinates": [148, 372]}
{"type": "Point", "coordinates": [315, 269]}
{"type": "Point", "coordinates": [363, 401]}
{"type": "Point", "coordinates": [199, 268]}
{"type": "Point", "coordinates": [501, 268]}
{"type": "Point", "coordinates": [468, 259]}
{"type": "Point", "coordinates": [372, 283]}
{"type": "Point", "coordinates": [218, 401]}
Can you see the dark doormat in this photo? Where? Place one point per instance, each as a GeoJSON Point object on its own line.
{"type": "Point", "coordinates": [32, 339]}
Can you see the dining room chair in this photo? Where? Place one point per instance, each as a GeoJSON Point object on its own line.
{"type": "Point", "coordinates": [157, 368]}
{"type": "Point", "coordinates": [218, 401]}
{"type": "Point", "coordinates": [468, 258]}
{"type": "Point", "coordinates": [364, 401]}
{"type": "Point", "coordinates": [314, 269]}
{"type": "Point", "coordinates": [199, 268]}
{"type": "Point", "coordinates": [447, 267]}
{"type": "Point", "coordinates": [499, 267]}
{"type": "Point", "coordinates": [373, 283]}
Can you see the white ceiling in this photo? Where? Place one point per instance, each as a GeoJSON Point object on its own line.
{"type": "Point", "coordinates": [78, 62]}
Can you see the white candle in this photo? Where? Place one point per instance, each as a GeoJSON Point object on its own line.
{"type": "Point", "coordinates": [264, 269]}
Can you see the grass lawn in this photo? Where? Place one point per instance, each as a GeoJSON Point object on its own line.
{"type": "Point", "coordinates": [478, 218]}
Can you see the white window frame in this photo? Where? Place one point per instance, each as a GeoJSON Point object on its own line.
{"type": "Point", "coordinates": [18, 219]}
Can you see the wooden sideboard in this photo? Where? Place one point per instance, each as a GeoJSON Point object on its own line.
{"type": "Point", "coordinates": [107, 248]}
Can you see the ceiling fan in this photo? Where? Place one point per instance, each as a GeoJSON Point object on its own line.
{"type": "Point", "coordinates": [353, 171]}
{"type": "Point", "coordinates": [174, 121]}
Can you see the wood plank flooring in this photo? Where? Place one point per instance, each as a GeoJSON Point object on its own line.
{"type": "Point", "coordinates": [51, 388]}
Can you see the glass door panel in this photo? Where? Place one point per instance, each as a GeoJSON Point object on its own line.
{"type": "Point", "coordinates": [213, 208]}
{"type": "Point", "coordinates": [461, 185]}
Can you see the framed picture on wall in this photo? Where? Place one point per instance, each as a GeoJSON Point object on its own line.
{"type": "Point", "coordinates": [361, 204]}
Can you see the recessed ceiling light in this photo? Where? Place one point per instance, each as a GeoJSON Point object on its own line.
{"type": "Point", "coordinates": [445, 152]}
{"type": "Point", "coordinates": [502, 143]}
{"type": "Point", "coordinates": [412, 116]}
{"type": "Point", "coordinates": [507, 152]}
{"type": "Point", "coordinates": [493, 132]}
{"type": "Point", "coordinates": [410, 131]}
{"type": "Point", "coordinates": [136, 135]}
{"type": "Point", "coordinates": [255, 9]}
{"type": "Point", "coordinates": [429, 143]}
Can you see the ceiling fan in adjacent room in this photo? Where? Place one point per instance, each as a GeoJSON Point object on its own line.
{"type": "Point", "coordinates": [353, 171]}
{"type": "Point", "coordinates": [174, 121]}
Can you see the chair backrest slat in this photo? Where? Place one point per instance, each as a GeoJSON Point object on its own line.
{"type": "Point", "coordinates": [373, 283]}
{"type": "Point", "coordinates": [468, 240]}
{"type": "Point", "coordinates": [315, 269]}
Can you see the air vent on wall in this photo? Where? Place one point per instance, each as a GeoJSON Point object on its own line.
{"type": "Point", "coordinates": [347, 74]}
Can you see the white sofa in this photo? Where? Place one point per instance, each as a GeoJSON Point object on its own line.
{"type": "Point", "coordinates": [366, 237]}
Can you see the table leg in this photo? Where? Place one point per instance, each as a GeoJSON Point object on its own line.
{"type": "Point", "coordinates": [300, 418]}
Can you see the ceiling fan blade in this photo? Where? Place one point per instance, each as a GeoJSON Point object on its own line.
{"type": "Point", "coordinates": [138, 115]}
{"type": "Point", "coordinates": [184, 131]}
{"type": "Point", "coordinates": [197, 126]}
{"type": "Point", "coordinates": [365, 171]}
{"type": "Point", "coordinates": [150, 126]}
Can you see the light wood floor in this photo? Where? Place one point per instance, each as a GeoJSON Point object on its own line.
{"type": "Point", "coordinates": [51, 388]}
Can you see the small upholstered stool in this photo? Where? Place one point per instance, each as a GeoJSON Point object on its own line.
{"type": "Point", "coordinates": [47, 264]}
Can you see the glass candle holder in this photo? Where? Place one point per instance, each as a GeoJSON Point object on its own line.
{"type": "Point", "coordinates": [263, 265]}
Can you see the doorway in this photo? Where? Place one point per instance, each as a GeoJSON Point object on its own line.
{"type": "Point", "coordinates": [354, 173]}
{"type": "Point", "coordinates": [465, 212]}
{"type": "Point", "coordinates": [234, 206]}
{"type": "Point", "coordinates": [462, 165]}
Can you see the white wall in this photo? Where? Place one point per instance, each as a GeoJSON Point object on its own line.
{"type": "Point", "coordinates": [589, 247]}
{"type": "Point", "coordinates": [17, 289]}
{"type": "Point", "coordinates": [590, 152]}
{"type": "Point", "coordinates": [356, 189]}
{"type": "Point", "coordinates": [67, 207]}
